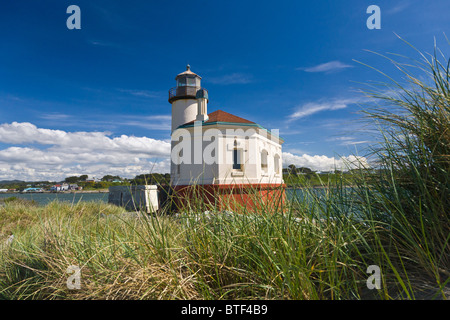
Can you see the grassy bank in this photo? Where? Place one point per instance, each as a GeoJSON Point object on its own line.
{"type": "Point", "coordinates": [318, 180]}
{"type": "Point", "coordinates": [304, 253]}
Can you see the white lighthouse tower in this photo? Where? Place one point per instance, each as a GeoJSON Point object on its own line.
{"type": "Point", "coordinates": [185, 106]}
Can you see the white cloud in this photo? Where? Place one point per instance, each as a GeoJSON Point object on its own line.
{"type": "Point", "coordinates": [323, 163]}
{"type": "Point", "coordinates": [25, 132]}
{"type": "Point", "coordinates": [398, 8]}
{"type": "Point", "coordinates": [59, 154]}
{"type": "Point", "coordinates": [64, 153]}
{"type": "Point", "coordinates": [314, 107]}
{"type": "Point", "coordinates": [347, 141]}
{"type": "Point", "coordinates": [54, 116]}
{"type": "Point", "coordinates": [327, 67]}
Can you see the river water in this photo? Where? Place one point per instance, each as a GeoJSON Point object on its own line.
{"type": "Point", "coordinates": [44, 198]}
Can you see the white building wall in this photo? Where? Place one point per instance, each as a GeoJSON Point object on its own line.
{"type": "Point", "coordinates": [135, 198]}
{"type": "Point", "coordinates": [219, 170]}
{"type": "Point", "coordinates": [251, 171]}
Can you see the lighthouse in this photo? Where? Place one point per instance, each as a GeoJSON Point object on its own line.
{"type": "Point", "coordinates": [183, 98]}
{"type": "Point", "coordinates": [227, 161]}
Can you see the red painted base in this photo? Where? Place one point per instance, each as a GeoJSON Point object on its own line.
{"type": "Point", "coordinates": [234, 197]}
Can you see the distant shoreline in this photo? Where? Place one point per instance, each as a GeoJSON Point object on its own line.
{"type": "Point", "coordinates": [106, 190]}
{"type": "Point", "coordinates": [65, 192]}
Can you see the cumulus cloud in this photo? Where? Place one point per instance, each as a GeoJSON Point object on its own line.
{"type": "Point", "coordinates": [25, 133]}
{"type": "Point", "coordinates": [59, 153]}
{"type": "Point", "coordinates": [324, 163]}
{"type": "Point", "coordinates": [47, 154]}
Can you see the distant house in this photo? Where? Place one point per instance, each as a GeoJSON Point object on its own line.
{"type": "Point", "coordinates": [59, 187]}
{"type": "Point", "coordinates": [3, 190]}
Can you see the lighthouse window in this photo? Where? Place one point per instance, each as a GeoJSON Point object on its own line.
{"type": "Point", "coordinates": [191, 82]}
{"type": "Point", "coordinates": [181, 82]}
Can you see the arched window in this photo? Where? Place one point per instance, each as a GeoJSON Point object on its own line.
{"type": "Point", "coordinates": [277, 164]}
{"type": "Point", "coordinates": [264, 155]}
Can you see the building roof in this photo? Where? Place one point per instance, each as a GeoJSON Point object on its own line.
{"type": "Point", "coordinates": [218, 117]}
{"type": "Point", "coordinates": [222, 116]}
{"type": "Point", "coordinates": [187, 72]}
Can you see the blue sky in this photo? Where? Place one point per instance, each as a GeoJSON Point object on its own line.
{"type": "Point", "coordinates": [94, 100]}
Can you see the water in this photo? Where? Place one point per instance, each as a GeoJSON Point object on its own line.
{"type": "Point", "coordinates": [44, 198]}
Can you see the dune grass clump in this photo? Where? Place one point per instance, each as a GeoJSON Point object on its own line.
{"type": "Point", "coordinates": [120, 256]}
{"type": "Point", "coordinates": [410, 190]}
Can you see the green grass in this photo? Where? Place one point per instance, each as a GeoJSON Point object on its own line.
{"type": "Point", "coordinates": [412, 190]}
{"type": "Point", "coordinates": [197, 256]}
{"type": "Point", "coordinates": [318, 180]}
{"type": "Point", "coordinates": [315, 250]}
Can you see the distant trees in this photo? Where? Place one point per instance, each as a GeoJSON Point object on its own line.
{"type": "Point", "coordinates": [304, 170]}
{"type": "Point", "coordinates": [152, 178]}
{"type": "Point", "coordinates": [291, 169]}
{"type": "Point", "coordinates": [110, 178]}
{"type": "Point", "coordinates": [76, 179]}
{"type": "Point", "coordinates": [73, 179]}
